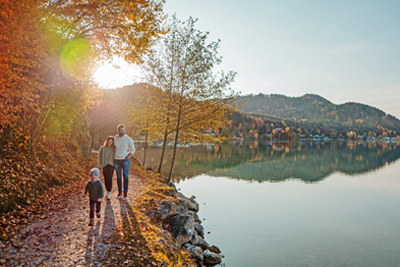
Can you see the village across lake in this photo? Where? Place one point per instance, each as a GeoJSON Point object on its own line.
{"type": "Point", "coordinates": [295, 203]}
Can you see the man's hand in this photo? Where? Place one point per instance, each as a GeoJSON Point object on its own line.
{"type": "Point", "coordinates": [127, 157]}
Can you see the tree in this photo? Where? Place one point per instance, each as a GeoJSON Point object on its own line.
{"type": "Point", "coordinates": [195, 100]}
{"type": "Point", "coordinates": [23, 64]}
{"type": "Point", "coordinates": [49, 47]}
{"type": "Point", "coordinates": [126, 28]}
{"type": "Point", "coordinates": [146, 114]}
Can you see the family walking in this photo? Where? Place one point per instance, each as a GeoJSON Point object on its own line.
{"type": "Point", "coordinates": [114, 154]}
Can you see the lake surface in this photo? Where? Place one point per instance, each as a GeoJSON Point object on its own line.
{"type": "Point", "coordinates": [296, 204]}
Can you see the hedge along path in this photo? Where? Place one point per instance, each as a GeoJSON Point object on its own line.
{"type": "Point", "coordinates": [63, 237]}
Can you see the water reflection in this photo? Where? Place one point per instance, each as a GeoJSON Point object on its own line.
{"type": "Point", "coordinates": [308, 161]}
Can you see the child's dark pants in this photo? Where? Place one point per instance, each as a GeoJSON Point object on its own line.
{"type": "Point", "coordinates": [94, 204]}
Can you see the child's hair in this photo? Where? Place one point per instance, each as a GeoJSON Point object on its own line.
{"type": "Point", "coordinates": [108, 138]}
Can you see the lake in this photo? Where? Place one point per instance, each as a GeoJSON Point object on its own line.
{"type": "Point", "coordinates": [295, 204]}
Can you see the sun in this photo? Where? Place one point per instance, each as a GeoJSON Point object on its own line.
{"type": "Point", "coordinates": [117, 74]}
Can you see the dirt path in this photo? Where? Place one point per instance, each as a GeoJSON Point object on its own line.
{"type": "Point", "coordinates": [64, 238]}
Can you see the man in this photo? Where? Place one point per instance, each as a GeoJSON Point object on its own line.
{"type": "Point", "coordinates": [124, 149]}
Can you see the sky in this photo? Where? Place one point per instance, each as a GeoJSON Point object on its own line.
{"type": "Point", "coordinates": [345, 51]}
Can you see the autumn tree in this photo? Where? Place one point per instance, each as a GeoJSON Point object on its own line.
{"type": "Point", "coordinates": [147, 116]}
{"type": "Point", "coordinates": [50, 47]}
{"type": "Point", "coordinates": [195, 99]}
{"type": "Point", "coordinates": [125, 28]}
{"type": "Point", "coordinates": [23, 64]}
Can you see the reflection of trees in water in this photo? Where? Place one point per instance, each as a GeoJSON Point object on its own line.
{"type": "Point", "coordinates": [307, 161]}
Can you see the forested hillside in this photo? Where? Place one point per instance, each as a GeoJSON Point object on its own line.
{"type": "Point", "coordinates": [316, 108]}
{"type": "Point", "coordinates": [317, 115]}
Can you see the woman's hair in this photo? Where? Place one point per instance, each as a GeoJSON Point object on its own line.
{"type": "Point", "coordinates": [108, 138]}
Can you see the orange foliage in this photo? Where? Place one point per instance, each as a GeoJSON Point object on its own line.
{"type": "Point", "coordinates": [23, 62]}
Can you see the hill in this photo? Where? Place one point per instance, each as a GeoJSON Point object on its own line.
{"type": "Point", "coordinates": [315, 109]}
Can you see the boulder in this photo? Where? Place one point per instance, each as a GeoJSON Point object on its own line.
{"type": "Point", "coordinates": [195, 253]}
{"type": "Point", "coordinates": [180, 226]}
{"type": "Point", "coordinates": [211, 259]}
{"type": "Point", "coordinates": [191, 204]}
{"type": "Point", "coordinates": [198, 241]}
{"type": "Point", "coordinates": [199, 229]}
{"type": "Point", "coordinates": [182, 208]}
{"type": "Point", "coordinates": [166, 208]}
{"type": "Point", "coordinates": [192, 248]}
{"type": "Point", "coordinates": [214, 249]}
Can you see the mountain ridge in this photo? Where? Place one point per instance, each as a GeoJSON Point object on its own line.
{"type": "Point", "coordinates": [315, 108]}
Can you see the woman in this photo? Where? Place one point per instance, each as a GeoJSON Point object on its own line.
{"type": "Point", "coordinates": [106, 163]}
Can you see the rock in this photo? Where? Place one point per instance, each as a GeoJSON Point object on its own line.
{"type": "Point", "coordinates": [192, 198]}
{"type": "Point", "coordinates": [194, 215]}
{"type": "Point", "coordinates": [182, 208]}
{"type": "Point", "coordinates": [191, 204]}
{"type": "Point", "coordinates": [211, 259]}
{"type": "Point", "coordinates": [192, 248]}
{"type": "Point", "coordinates": [195, 252]}
{"type": "Point", "coordinates": [180, 226]}
{"type": "Point", "coordinates": [214, 249]}
{"type": "Point", "coordinates": [199, 241]}
{"type": "Point", "coordinates": [166, 208]}
{"type": "Point", "coordinates": [199, 229]}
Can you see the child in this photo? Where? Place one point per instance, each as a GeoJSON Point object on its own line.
{"type": "Point", "coordinates": [96, 193]}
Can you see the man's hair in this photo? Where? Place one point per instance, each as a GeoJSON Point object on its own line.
{"type": "Point", "coordinates": [120, 126]}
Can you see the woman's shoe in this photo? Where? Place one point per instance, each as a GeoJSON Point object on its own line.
{"type": "Point", "coordinates": [108, 195]}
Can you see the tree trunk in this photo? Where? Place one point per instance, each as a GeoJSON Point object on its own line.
{"type": "Point", "coordinates": [176, 142]}
{"type": "Point", "coordinates": [145, 149]}
{"type": "Point", "coordinates": [173, 156]}
{"type": "Point", "coordinates": [163, 151]}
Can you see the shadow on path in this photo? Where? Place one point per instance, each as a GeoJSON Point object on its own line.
{"type": "Point", "coordinates": [91, 240]}
{"type": "Point", "coordinates": [133, 251]}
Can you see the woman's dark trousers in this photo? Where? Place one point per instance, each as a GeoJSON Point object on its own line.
{"type": "Point", "coordinates": [108, 172]}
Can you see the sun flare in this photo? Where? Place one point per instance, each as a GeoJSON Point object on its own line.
{"type": "Point", "coordinates": [117, 74]}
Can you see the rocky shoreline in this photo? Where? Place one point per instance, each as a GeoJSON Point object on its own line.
{"type": "Point", "coordinates": [180, 219]}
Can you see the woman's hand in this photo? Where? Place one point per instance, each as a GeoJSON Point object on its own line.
{"type": "Point", "coordinates": [101, 170]}
{"type": "Point", "coordinates": [99, 200]}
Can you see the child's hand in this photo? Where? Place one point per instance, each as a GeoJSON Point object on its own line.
{"type": "Point", "coordinates": [99, 200]}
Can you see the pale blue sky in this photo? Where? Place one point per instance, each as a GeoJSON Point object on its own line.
{"type": "Point", "coordinates": [345, 51]}
{"type": "Point", "coordinates": [342, 50]}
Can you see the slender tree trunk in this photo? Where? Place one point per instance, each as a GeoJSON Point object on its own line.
{"type": "Point", "coordinates": [163, 151]}
{"type": "Point", "coordinates": [145, 147]}
{"type": "Point", "coordinates": [176, 142]}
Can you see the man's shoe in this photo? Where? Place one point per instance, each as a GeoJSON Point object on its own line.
{"type": "Point", "coordinates": [98, 215]}
{"type": "Point", "coordinates": [119, 195]}
{"type": "Point", "coordinates": [108, 195]}
{"type": "Point", "coordinates": [126, 195]}
{"type": "Point", "coordinates": [91, 223]}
